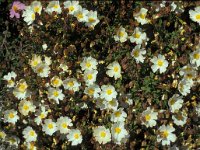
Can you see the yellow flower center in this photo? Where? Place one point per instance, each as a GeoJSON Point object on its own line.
{"type": "Point", "coordinates": [121, 34]}
{"type": "Point", "coordinates": [50, 126]}
{"type": "Point", "coordinates": [40, 70]}
{"type": "Point", "coordinates": [196, 56]}
{"type": "Point", "coordinates": [2, 135]}
{"type": "Point", "coordinates": [76, 136]}
{"type": "Point", "coordinates": [88, 64]}
{"type": "Point", "coordinates": [189, 76]}
{"type": "Point", "coordinates": [172, 101]}
{"type": "Point", "coordinates": [179, 117]}
{"type": "Point", "coordinates": [116, 69]}
{"type": "Point", "coordinates": [55, 93]}
{"type": "Point", "coordinates": [160, 63]}
{"type": "Point", "coordinates": [35, 63]}
{"type": "Point", "coordinates": [36, 9]}
{"type": "Point", "coordinates": [147, 117]}
{"type": "Point", "coordinates": [80, 15]}
{"type": "Point", "coordinates": [71, 8]}
{"type": "Point", "coordinates": [22, 87]}
{"type": "Point", "coordinates": [15, 8]}
{"type": "Point", "coordinates": [164, 134]}
{"type": "Point", "coordinates": [32, 146]}
{"type": "Point", "coordinates": [117, 114]}
{"type": "Point", "coordinates": [55, 82]}
{"type": "Point", "coordinates": [117, 130]}
{"type": "Point", "coordinates": [198, 16]}
{"type": "Point", "coordinates": [32, 133]}
{"type": "Point", "coordinates": [11, 115]}
{"type": "Point", "coordinates": [112, 103]}
{"type": "Point", "coordinates": [64, 125]}
{"type": "Point", "coordinates": [136, 53]}
{"type": "Point", "coordinates": [142, 16]}
{"type": "Point", "coordinates": [26, 107]}
{"type": "Point", "coordinates": [91, 91]}
{"type": "Point", "coordinates": [56, 6]}
{"type": "Point", "coordinates": [109, 91]}
{"type": "Point", "coordinates": [42, 116]}
{"type": "Point", "coordinates": [103, 134]}
{"type": "Point", "coordinates": [33, 16]}
{"type": "Point", "coordinates": [137, 35]}
{"type": "Point", "coordinates": [89, 76]}
{"type": "Point", "coordinates": [10, 82]}
{"type": "Point", "coordinates": [70, 83]}
{"type": "Point", "coordinates": [91, 20]}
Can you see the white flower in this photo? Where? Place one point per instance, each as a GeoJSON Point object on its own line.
{"type": "Point", "coordinates": [42, 70]}
{"type": "Point", "coordinates": [90, 76]}
{"type": "Point", "coordinates": [138, 36]}
{"type": "Point", "coordinates": [195, 14]}
{"type": "Point", "coordinates": [64, 67]}
{"type": "Point", "coordinates": [141, 16]}
{"type": "Point", "coordinates": [47, 60]}
{"type": "Point", "coordinates": [25, 107]}
{"type": "Point", "coordinates": [179, 118]}
{"type": "Point", "coordinates": [173, 6]}
{"type": "Point", "coordinates": [63, 123]}
{"type": "Point", "coordinates": [71, 84]}
{"type": "Point", "coordinates": [20, 90]}
{"type": "Point", "coordinates": [159, 63]}
{"type": "Point", "coordinates": [41, 115]}
{"type": "Point", "coordinates": [92, 19]}
{"type": "Point", "coordinates": [175, 103]}
{"type": "Point", "coordinates": [55, 94]}
{"type": "Point", "coordinates": [44, 46]}
{"type": "Point", "coordinates": [149, 117]}
{"type": "Point", "coordinates": [102, 135]}
{"type": "Point", "coordinates": [13, 140]}
{"type": "Point", "coordinates": [88, 63]}
{"type": "Point", "coordinates": [29, 15]}
{"type": "Point", "coordinates": [138, 53]}
{"type": "Point", "coordinates": [10, 78]}
{"type": "Point", "coordinates": [81, 15]}
{"type": "Point", "coordinates": [53, 6]}
{"type": "Point", "coordinates": [49, 127]}
{"type": "Point", "coordinates": [121, 35]}
{"type": "Point", "coordinates": [92, 90]}
{"type": "Point", "coordinates": [29, 134]}
{"type": "Point", "coordinates": [108, 92]}
{"type": "Point", "coordinates": [101, 103]}
{"type": "Point", "coordinates": [184, 87]}
{"type": "Point", "coordinates": [11, 116]}
{"type": "Point", "coordinates": [114, 70]}
{"type": "Point", "coordinates": [112, 104]}
{"type": "Point", "coordinates": [118, 132]}
{"type": "Point", "coordinates": [195, 56]}
{"type": "Point", "coordinates": [36, 60]}
{"type": "Point", "coordinates": [118, 115]}
{"type": "Point", "coordinates": [163, 4]}
{"type": "Point", "coordinates": [36, 6]}
{"type": "Point", "coordinates": [185, 69]}
{"type": "Point", "coordinates": [56, 81]}
{"type": "Point", "coordinates": [72, 6]}
{"type": "Point", "coordinates": [30, 146]}
{"type": "Point", "coordinates": [165, 134]}
{"type": "Point", "coordinates": [75, 136]}
{"type": "Point", "coordinates": [129, 101]}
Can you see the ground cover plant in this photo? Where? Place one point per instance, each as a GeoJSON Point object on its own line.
{"type": "Point", "coordinates": [99, 75]}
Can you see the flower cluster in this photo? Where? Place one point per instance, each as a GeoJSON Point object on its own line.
{"type": "Point", "coordinates": [82, 89]}
{"type": "Point", "coordinates": [73, 8]}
